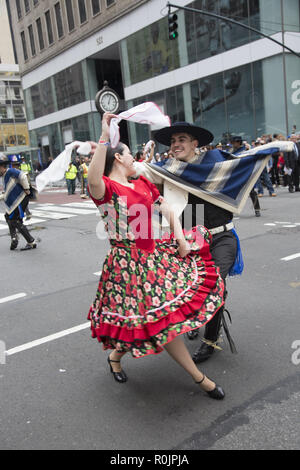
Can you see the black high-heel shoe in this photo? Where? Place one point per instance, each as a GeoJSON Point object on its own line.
{"type": "Point", "coordinates": [120, 377]}
{"type": "Point", "coordinates": [217, 393]}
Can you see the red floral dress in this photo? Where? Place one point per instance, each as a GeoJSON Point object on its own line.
{"type": "Point", "coordinates": [147, 293]}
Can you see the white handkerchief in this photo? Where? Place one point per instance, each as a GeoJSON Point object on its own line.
{"type": "Point", "coordinates": [145, 113]}
{"type": "Point", "coordinates": [56, 171]}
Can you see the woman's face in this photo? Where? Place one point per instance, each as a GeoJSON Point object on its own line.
{"type": "Point", "coordinates": [127, 160]}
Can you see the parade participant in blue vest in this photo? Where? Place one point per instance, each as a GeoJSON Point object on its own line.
{"type": "Point", "coordinates": [16, 198]}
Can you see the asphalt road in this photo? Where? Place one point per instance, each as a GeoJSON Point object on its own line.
{"type": "Point", "coordinates": [59, 394]}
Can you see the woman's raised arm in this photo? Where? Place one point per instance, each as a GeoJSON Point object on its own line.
{"type": "Point", "coordinates": [97, 165]}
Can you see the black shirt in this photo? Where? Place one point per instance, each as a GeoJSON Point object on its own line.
{"type": "Point", "coordinates": [214, 216]}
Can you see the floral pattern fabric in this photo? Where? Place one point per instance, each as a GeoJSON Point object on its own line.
{"type": "Point", "coordinates": [146, 298]}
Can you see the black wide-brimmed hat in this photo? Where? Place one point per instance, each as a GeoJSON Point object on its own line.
{"type": "Point", "coordinates": [203, 136]}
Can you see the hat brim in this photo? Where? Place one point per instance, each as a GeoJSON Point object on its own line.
{"type": "Point", "coordinates": [203, 136]}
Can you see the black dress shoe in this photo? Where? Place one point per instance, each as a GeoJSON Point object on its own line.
{"type": "Point", "coordinates": [120, 377]}
{"type": "Point", "coordinates": [217, 393]}
{"type": "Point", "coordinates": [193, 334]}
{"type": "Point", "coordinates": [257, 213]}
{"type": "Point", "coordinates": [14, 243]}
{"type": "Point", "coordinates": [204, 352]}
{"type": "Point", "coordinates": [29, 246]}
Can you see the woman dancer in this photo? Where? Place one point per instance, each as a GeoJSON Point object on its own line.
{"type": "Point", "coordinates": [150, 291]}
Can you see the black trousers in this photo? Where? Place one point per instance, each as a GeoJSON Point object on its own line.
{"type": "Point", "coordinates": [223, 250]}
{"type": "Point", "coordinates": [274, 171]}
{"type": "Point", "coordinates": [254, 199]}
{"type": "Point", "coordinates": [15, 222]}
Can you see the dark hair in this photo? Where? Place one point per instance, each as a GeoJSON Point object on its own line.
{"type": "Point", "coordinates": [138, 155]}
{"type": "Point", "coordinates": [110, 157]}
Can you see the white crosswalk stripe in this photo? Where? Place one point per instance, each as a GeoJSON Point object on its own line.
{"type": "Point", "coordinates": [68, 210]}
{"type": "Point", "coordinates": [43, 212]}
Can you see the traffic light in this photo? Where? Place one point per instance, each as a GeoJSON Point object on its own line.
{"type": "Point", "coordinates": [173, 33]}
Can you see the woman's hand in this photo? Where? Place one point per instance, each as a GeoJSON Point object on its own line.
{"type": "Point", "coordinates": [107, 117]}
{"type": "Point", "coordinates": [183, 248]}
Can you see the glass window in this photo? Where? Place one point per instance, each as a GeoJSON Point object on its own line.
{"type": "Point", "coordinates": [70, 14]}
{"type": "Point", "coordinates": [3, 111]}
{"type": "Point", "coordinates": [81, 129]}
{"type": "Point", "coordinates": [269, 19]}
{"type": "Point", "coordinates": [8, 91]}
{"type": "Point", "coordinates": [175, 106]}
{"type": "Point", "coordinates": [49, 27]}
{"type": "Point", "coordinates": [16, 91]}
{"type": "Point", "coordinates": [19, 10]}
{"type": "Point", "coordinates": [22, 134]}
{"type": "Point", "coordinates": [273, 95]}
{"type": "Point", "coordinates": [240, 101]}
{"type": "Point", "coordinates": [258, 99]}
{"type": "Point", "coordinates": [110, 2]}
{"type": "Point", "coordinates": [150, 52]}
{"type": "Point", "coordinates": [207, 36]}
{"type": "Point", "coordinates": [82, 11]}
{"type": "Point", "coordinates": [95, 6]}
{"type": "Point", "coordinates": [35, 2]}
{"type": "Point", "coordinates": [69, 86]}
{"type": "Point", "coordinates": [27, 6]}
{"type": "Point", "coordinates": [36, 100]}
{"type": "Point", "coordinates": [19, 111]}
{"type": "Point", "coordinates": [42, 99]}
{"type": "Point", "coordinates": [23, 39]}
{"type": "Point", "coordinates": [231, 35]}
{"type": "Point", "coordinates": [208, 103]}
{"type": "Point", "coordinates": [60, 29]}
{"type": "Point", "coordinates": [28, 102]}
{"type": "Point", "coordinates": [40, 33]}
{"type": "Point", "coordinates": [31, 37]}
{"type": "Point", "coordinates": [47, 96]}
{"type": "Point", "coordinates": [255, 19]}
{"type": "Point", "coordinates": [2, 90]}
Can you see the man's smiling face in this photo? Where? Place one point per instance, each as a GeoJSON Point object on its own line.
{"type": "Point", "coordinates": [183, 146]}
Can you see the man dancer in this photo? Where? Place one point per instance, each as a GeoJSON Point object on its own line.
{"type": "Point", "coordinates": [218, 181]}
{"type": "Point", "coordinates": [16, 198]}
{"type": "Point", "coordinates": [183, 139]}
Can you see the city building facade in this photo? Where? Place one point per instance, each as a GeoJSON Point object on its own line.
{"type": "Point", "coordinates": [215, 74]}
{"type": "Point", "coordinates": [13, 125]}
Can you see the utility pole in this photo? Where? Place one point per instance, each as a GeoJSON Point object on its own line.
{"type": "Point", "coordinates": [284, 71]}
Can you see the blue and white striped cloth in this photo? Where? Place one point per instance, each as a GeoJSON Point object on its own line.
{"type": "Point", "coordinates": [15, 182]}
{"type": "Point", "coordinates": [221, 178]}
